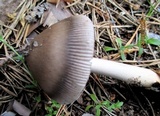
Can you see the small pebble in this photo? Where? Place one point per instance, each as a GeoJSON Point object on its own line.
{"type": "Point", "coordinates": [153, 35]}
{"type": "Point", "coordinates": [8, 113]}
{"type": "Point", "coordinates": [87, 114]}
{"type": "Point", "coordinates": [35, 44]}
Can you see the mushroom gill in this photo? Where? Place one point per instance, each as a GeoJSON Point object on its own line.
{"type": "Point", "coordinates": [59, 58]}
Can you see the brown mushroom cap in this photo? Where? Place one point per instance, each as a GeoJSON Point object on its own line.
{"type": "Point", "coordinates": [60, 58]}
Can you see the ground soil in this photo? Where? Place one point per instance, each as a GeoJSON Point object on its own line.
{"type": "Point", "coordinates": [137, 101]}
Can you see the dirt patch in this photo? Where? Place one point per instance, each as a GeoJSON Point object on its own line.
{"type": "Point", "coordinates": [8, 7]}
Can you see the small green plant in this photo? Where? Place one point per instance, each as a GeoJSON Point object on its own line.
{"type": "Point", "coordinates": [38, 98]}
{"type": "Point", "coordinates": [152, 7]}
{"type": "Point", "coordinates": [152, 41]}
{"type": "Point", "coordinates": [52, 109]}
{"type": "Point", "coordinates": [33, 85]}
{"type": "Point", "coordinates": [139, 44]}
{"type": "Point", "coordinates": [18, 56]}
{"type": "Point", "coordinates": [107, 49]}
{"type": "Point", "coordinates": [147, 40]}
{"type": "Point", "coordinates": [105, 104]}
{"type": "Point", "coordinates": [121, 48]}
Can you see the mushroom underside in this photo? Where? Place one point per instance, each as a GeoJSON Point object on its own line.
{"type": "Point", "coordinates": [60, 57]}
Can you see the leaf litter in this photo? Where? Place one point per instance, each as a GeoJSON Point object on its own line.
{"type": "Point", "coordinates": [128, 20]}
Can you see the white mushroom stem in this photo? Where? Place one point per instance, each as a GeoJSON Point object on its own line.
{"type": "Point", "coordinates": [128, 73]}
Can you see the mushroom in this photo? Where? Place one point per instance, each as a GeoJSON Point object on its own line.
{"type": "Point", "coordinates": [124, 72]}
{"type": "Point", "coordinates": [61, 59]}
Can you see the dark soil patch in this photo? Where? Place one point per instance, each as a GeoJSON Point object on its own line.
{"type": "Point", "coordinates": [112, 19]}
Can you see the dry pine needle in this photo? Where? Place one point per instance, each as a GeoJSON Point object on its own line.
{"type": "Point", "coordinates": [56, 1]}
